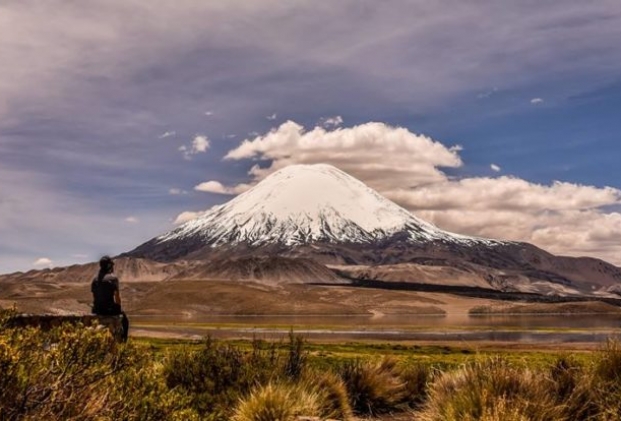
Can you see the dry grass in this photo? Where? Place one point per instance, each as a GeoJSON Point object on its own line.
{"type": "Point", "coordinates": [335, 401]}
{"type": "Point", "coordinates": [605, 382]}
{"type": "Point", "coordinates": [490, 389]}
{"type": "Point", "coordinates": [278, 402]}
{"type": "Point", "coordinates": [374, 387]}
{"type": "Point", "coordinates": [417, 379]}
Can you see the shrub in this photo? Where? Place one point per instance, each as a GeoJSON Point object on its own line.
{"type": "Point", "coordinates": [608, 363]}
{"type": "Point", "coordinates": [373, 387]}
{"type": "Point", "coordinates": [606, 381]}
{"type": "Point", "coordinates": [76, 373]}
{"type": "Point", "coordinates": [572, 387]}
{"type": "Point", "coordinates": [334, 400]}
{"type": "Point", "coordinates": [492, 389]}
{"type": "Point", "coordinates": [278, 402]}
{"type": "Point", "coordinates": [215, 376]}
{"type": "Point", "coordinates": [296, 357]}
{"type": "Point", "coordinates": [416, 379]}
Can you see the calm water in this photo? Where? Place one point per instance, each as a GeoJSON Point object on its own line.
{"type": "Point", "coordinates": [460, 327]}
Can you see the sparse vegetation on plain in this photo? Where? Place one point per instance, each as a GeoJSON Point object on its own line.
{"type": "Point", "coordinates": [570, 308]}
{"type": "Point", "coordinates": [78, 373]}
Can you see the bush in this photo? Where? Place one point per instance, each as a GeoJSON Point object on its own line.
{"type": "Point", "coordinates": [572, 387]}
{"type": "Point", "coordinates": [373, 387]}
{"type": "Point", "coordinates": [215, 376]}
{"type": "Point", "coordinates": [73, 372]}
{"type": "Point", "coordinates": [296, 357]}
{"type": "Point", "coordinates": [416, 379]}
{"type": "Point", "coordinates": [608, 363]}
{"type": "Point", "coordinates": [606, 381]}
{"type": "Point", "coordinates": [490, 390]}
{"type": "Point", "coordinates": [278, 402]}
{"type": "Point", "coordinates": [334, 400]}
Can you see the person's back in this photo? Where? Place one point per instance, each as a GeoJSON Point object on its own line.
{"type": "Point", "coordinates": [104, 289]}
{"type": "Point", "coordinates": [106, 294]}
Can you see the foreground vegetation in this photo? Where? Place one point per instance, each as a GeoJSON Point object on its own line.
{"type": "Point", "coordinates": [78, 373]}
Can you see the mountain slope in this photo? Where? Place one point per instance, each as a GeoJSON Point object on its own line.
{"type": "Point", "coordinates": [261, 269]}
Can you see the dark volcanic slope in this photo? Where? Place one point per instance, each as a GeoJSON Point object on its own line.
{"type": "Point", "coordinates": [508, 259]}
{"type": "Point", "coordinates": [272, 269]}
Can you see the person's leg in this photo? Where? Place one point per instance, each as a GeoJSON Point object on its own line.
{"type": "Point", "coordinates": [125, 324]}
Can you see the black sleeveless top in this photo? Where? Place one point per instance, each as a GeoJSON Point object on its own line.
{"type": "Point", "coordinates": [103, 289]}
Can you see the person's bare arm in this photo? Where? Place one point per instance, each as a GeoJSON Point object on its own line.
{"type": "Point", "coordinates": [117, 297]}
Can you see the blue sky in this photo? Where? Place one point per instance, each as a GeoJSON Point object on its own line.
{"type": "Point", "coordinates": [112, 113]}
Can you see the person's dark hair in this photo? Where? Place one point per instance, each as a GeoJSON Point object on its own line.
{"type": "Point", "coordinates": [105, 265]}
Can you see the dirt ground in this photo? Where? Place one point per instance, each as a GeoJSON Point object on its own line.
{"type": "Point", "coordinates": [198, 298]}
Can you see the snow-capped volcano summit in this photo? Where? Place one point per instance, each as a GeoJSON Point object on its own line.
{"type": "Point", "coordinates": [301, 205]}
{"type": "Point", "coordinates": [304, 204]}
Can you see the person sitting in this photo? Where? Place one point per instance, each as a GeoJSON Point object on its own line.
{"type": "Point", "coordinates": [106, 294]}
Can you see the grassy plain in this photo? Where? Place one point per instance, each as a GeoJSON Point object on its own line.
{"type": "Point", "coordinates": [333, 353]}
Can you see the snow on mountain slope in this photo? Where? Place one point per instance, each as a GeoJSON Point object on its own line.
{"type": "Point", "coordinates": [304, 204]}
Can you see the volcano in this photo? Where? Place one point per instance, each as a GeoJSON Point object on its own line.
{"type": "Point", "coordinates": [301, 205]}
{"type": "Point", "coordinates": [319, 212]}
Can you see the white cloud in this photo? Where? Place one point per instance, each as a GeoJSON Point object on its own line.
{"type": "Point", "coordinates": [371, 151]}
{"type": "Point", "coordinates": [184, 217]}
{"type": "Point", "coordinates": [495, 167]}
{"type": "Point", "coordinates": [536, 101]}
{"type": "Point", "coordinates": [332, 122]}
{"type": "Point", "coordinates": [212, 187]}
{"type": "Point", "coordinates": [272, 117]}
{"type": "Point", "coordinates": [167, 134]}
{"type": "Point", "coordinates": [217, 187]}
{"type": "Point", "coordinates": [131, 220]}
{"type": "Point", "coordinates": [505, 194]}
{"type": "Point", "coordinates": [208, 113]}
{"type": "Point", "coordinates": [176, 192]}
{"type": "Point", "coordinates": [487, 94]}
{"type": "Point", "coordinates": [43, 262]}
{"type": "Point", "coordinates": [200, 144]}
{"type": "Point", "coordinates": [564, 218]}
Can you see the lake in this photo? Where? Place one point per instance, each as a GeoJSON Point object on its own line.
{"type": "Point", "coordinates": [536, 329]}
